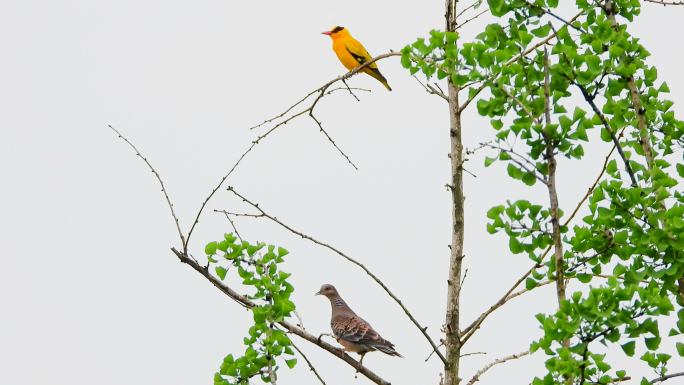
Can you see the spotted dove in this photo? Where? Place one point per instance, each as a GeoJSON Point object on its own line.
{"type": "Point", "coordinates": [352, 331]}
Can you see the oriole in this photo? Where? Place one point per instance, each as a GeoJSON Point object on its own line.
{"type": "Point", "coordinates": [353, 54]}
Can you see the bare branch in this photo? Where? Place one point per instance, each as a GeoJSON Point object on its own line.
{"type": "Point", "coordinates": [431, 89]}
{"type": "Point", "coordinates": [523, 291]}
{"type": "Point", "coordinates": [232, 224]}
{"type": "Point", "coordinates": [263, 213]}
{"type": "Point", "coordinates": [472, 328]}
{"type": "Point", "coordinates": [247, 303]}
{"type": "Point", "coordinates": [218, 186]}
{"type": "Point", "coordinates": [667, 377]}
{"type": "Point", "coordinates": [501, 360]}
{"type": "Point", "coordinates": [466, 9]}
{"type": "Point", "coordinates": [159, 179]}
{"type": "Point", "coordinates": [472, 18]}
{"type": "Point", "coordinates": [666, 3]}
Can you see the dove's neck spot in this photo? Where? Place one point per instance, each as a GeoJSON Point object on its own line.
{"type": "Point", "coordinates": [338, 302]}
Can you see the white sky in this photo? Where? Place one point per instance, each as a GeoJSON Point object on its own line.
{"type": "Point", "coordinates": [89, 291]}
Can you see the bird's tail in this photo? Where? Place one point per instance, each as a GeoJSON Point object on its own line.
{"type": "Point", "coordinates": [374, 72]}
{"type": "Point", "coordinates": [387, 348]}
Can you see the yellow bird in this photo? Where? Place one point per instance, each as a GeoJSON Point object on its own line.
{"type": "Point", "coordinates": [353, 54]}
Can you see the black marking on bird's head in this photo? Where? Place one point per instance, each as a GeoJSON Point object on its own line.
{"type": "Point", "coordinates": [337, 29]}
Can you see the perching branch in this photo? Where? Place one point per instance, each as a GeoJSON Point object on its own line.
{"type": "Point", "coordinates": [263, 213]}
{"type": "Point", "coordinates": [283, 118]}
{"type": "Point", "coordinates": [248, 304]}
{"type": "Point", "coordinates": [501, 360]}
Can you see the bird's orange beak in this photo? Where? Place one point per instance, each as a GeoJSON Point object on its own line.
{"type": "Point", "coordinates": [327, 33]}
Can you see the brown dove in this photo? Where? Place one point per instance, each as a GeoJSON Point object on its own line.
{"type": "Point", "coordinates": [352, 331]}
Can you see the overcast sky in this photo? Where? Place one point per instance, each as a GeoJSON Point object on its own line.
{"type": "Point", "coordinates": [89, 291]}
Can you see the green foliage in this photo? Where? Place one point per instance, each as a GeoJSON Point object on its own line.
{"type": "Point", "coordinates": [258, 266]}
{"type": "Point", "coordinates": [627, 253]}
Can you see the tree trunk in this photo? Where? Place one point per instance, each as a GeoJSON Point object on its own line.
{"type": "Point", "coordinates": [453, 342]}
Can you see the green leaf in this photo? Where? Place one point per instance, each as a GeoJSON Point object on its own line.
{"type": "Point", "coordinates": [652, 343]}
{"type": "Point", "coordinates": [497, 7]}
{"type": "Point", "coordinates": [529, 179]}
{"type": "Point", "coordinates": [221, 272]}
{"type": "Point", "coordinates": [210, 248]}
{"type": "Point", "coordinates": [291, 363]}
{"type": "Point", "coordinates": [680, 348]}
{"type": "Point", "coordinates": [584, 278]}
{"type": "Point", "coordinates": [628, 348]}
{"type": "Point", "coordinates": [680, 169]}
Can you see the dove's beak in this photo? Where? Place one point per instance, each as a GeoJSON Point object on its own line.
{"type": "Point", "coordinates": [318, 293]}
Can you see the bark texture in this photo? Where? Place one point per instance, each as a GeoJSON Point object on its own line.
{"type": "Point", "coordinates": [452, 341]}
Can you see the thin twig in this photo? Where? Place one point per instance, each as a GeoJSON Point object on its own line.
{"type": "Point", "coordinates": [430, 89]}
{"type": "Point", "coordinates": [667, 377]}
{"type": "Point", "coordinates": [472, 18]}
{"type": "Point", "coordinates": [472, 328]}
{"type": "Point", "coordinates": [311, 367]}
{"type": "Point", "coordinates": [423, 329]}
{"type": "Point", "coordinates": [232, 224]}
{"type": "Point", "coordinates": [501, 360]}
{"type": "Point", "coordinates": [159, 179]}
{"type": "Point", "coordinates": [466, 9]}
{"type": "Point", "coordinates": [666, 3]}
{"type": "Point", "coordinates": [523, 291]}
{"type": "Point", "coordinates": [218, 186]}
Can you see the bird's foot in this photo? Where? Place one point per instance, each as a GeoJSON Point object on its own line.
{"type": "Point", "coordinates": [324, 334]}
